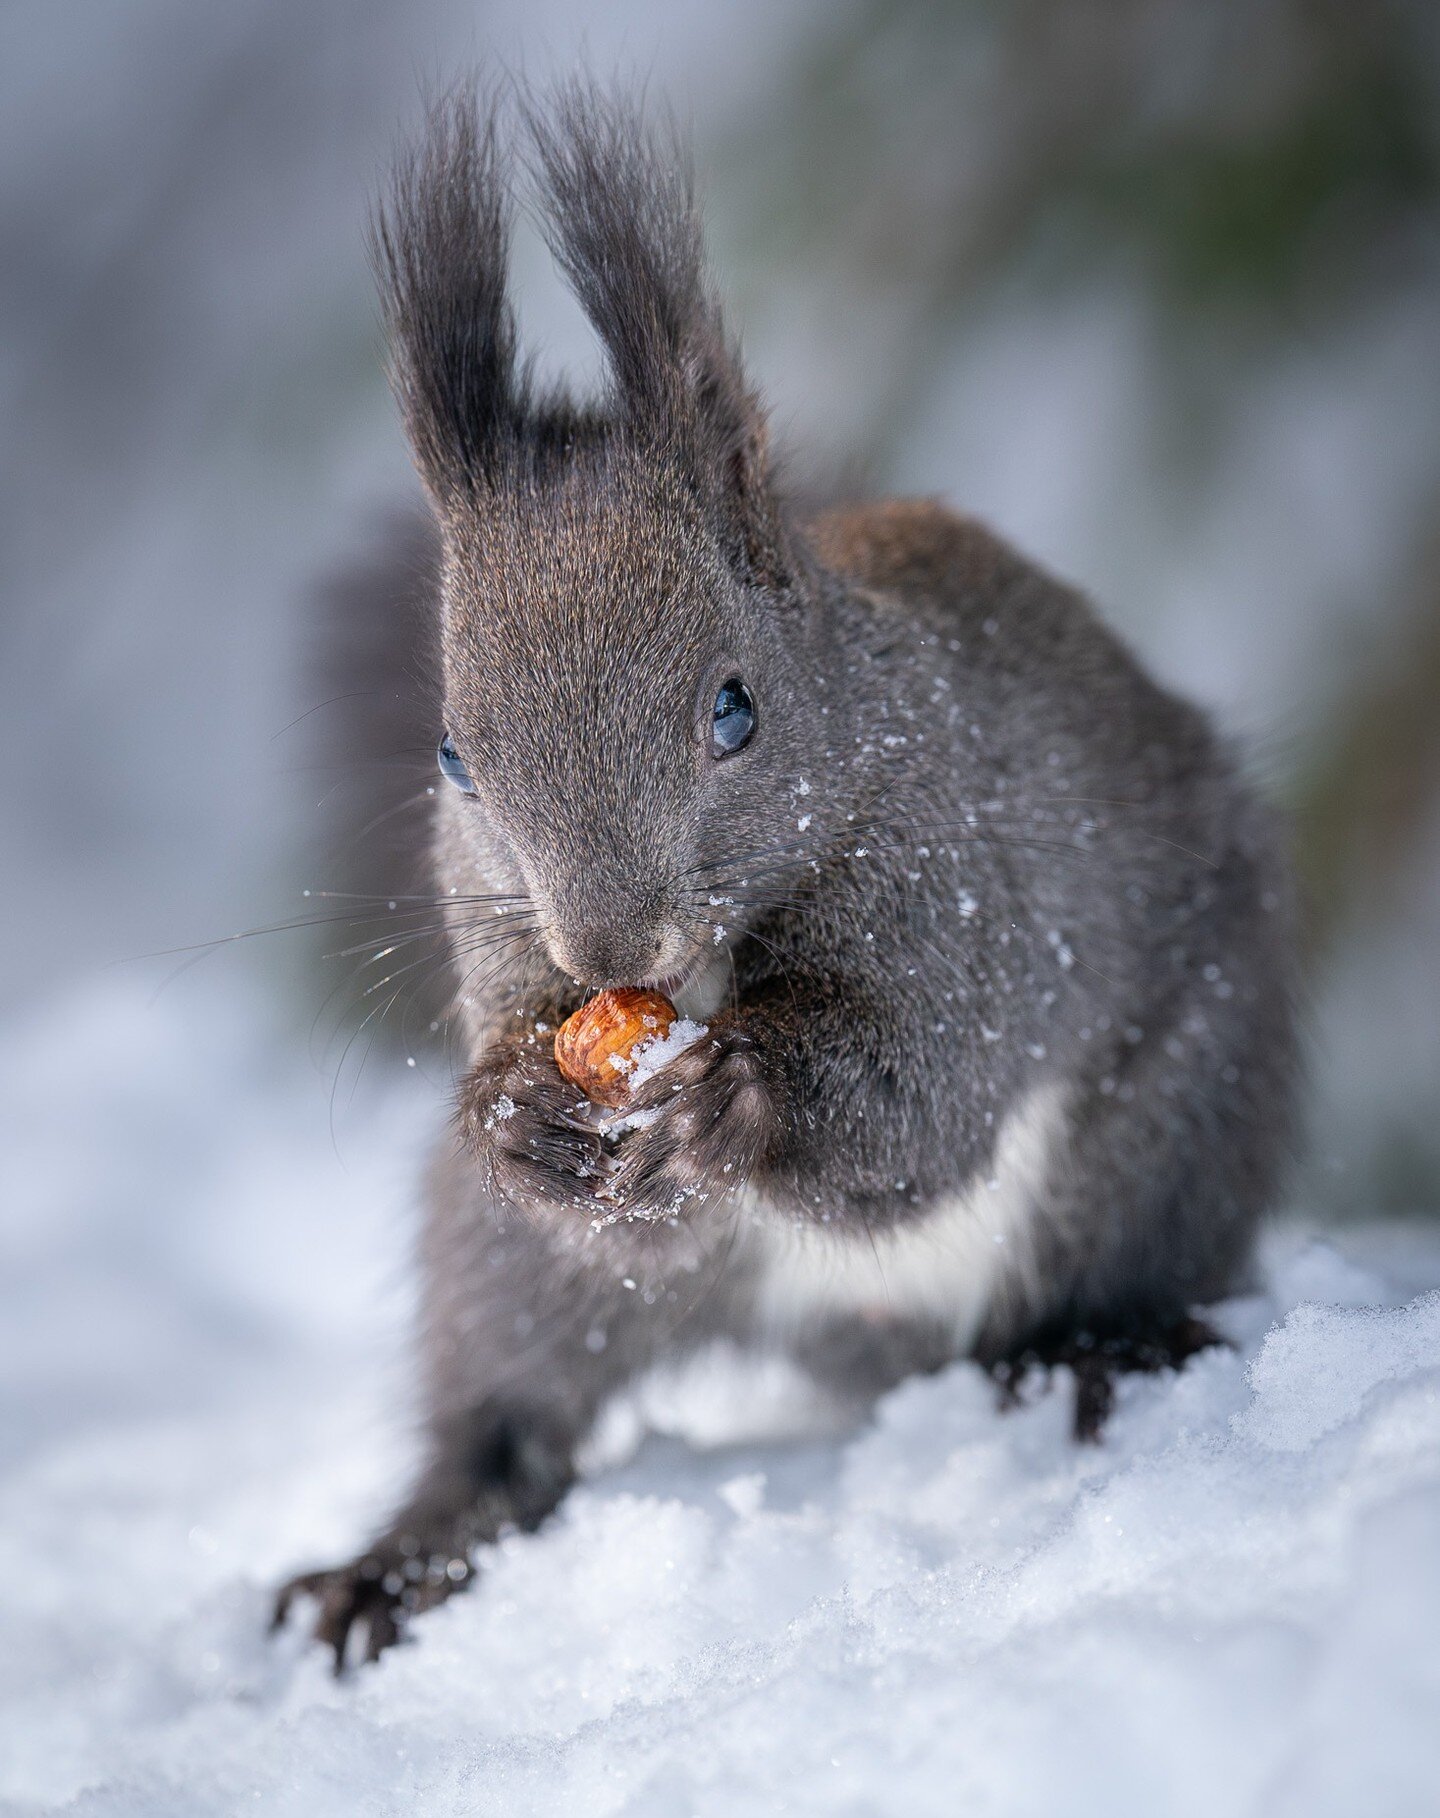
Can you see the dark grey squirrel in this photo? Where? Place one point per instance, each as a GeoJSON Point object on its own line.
{"type": "Point", "coordinates": [993, 946]}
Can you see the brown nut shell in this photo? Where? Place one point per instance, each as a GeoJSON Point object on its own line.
{"type": "Point", "coordinates": [593, 1048]}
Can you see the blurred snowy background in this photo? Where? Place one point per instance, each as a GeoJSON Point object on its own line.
{"type": "Point", "coordinates": [1154, 287]}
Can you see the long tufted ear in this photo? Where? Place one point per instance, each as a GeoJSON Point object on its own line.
{"type": "Point", "coordinates": [621, 220]}
{"type": "Point", "coordinates": [439, 246]}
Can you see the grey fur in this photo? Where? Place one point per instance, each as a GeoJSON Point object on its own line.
{"type": "Point", "coordinates": [973, 850]}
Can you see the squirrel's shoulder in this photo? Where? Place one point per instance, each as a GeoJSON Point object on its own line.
{"type": "Point", "coordinates": [925, 560]}
{"type": "Point", "coordinates": [912, 546]}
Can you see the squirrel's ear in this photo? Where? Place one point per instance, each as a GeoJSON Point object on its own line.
{"type": "Point", "coordinates": [621, 220]}
{"type": "Point", "coordinates": [439, 246]}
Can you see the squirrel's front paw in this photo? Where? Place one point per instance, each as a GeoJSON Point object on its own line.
{"type": "Point", "coordinates": [528, 1128]}
{"type": "Point", "coordinates": [716, 1120]}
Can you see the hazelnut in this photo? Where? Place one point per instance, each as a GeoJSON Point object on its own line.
{"type": "Point", "coordinates": [595, 1048]}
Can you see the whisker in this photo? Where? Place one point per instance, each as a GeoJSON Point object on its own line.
{"type": "Point", "coordinates": [379, 820]}
{"type": "Point", "coordinates": [294, 923]}
{"type": "Point", "coordinates": [784, 969]}
{"type": "Point", "coordinates": [481, 974]}
{"type": "Point", "coordinates": [355, 694]}
{"type": "Point", "coordinates": [716, 915]}
{"type": "Point", "coordinates": [425, 959]}
{"type": "Point", "coordinates": [870, 844]}
{"type": "Point", "coordinates": [968, 827]}
{"type": "Point", "coordinates": [747, 858]}
{"type": "Point", "coordinates": [433, 902]}
{"type": "Point", "coordinates": [496, 947]}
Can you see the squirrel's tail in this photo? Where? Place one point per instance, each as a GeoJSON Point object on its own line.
{"type": "Point", "coordinates": [374, 672]}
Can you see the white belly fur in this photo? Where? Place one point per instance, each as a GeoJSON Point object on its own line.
{"type": "Point", "coordinates": [948, 1266]}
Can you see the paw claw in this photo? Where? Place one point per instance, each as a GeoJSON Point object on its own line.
{"type": "Point", "coordinates": [370, 1594]}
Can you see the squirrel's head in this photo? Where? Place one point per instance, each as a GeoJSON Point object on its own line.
{"type": "Point", "coordinates": [631, 691]}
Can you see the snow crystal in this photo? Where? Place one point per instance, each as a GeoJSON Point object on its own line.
{"type": "Point", "coordinates": [1229, 1607]}
{"type": "Point", "coordinates": [501, 1111]}
{"type": "Point", "coordinates": [645, 1060]}
{"type": "Point", "coordinates": [649, 1056]}
{"type": "Point", "coordinates": [620, 1123]}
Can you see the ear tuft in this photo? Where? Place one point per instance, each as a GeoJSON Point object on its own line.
{"type": "Point", "coordinates": [439, 247]}
{"type": "Point", "coordinates": [621, 220]}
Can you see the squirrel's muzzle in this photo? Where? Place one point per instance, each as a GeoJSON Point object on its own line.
{"type": "Point", "coordinates": [626, 940]}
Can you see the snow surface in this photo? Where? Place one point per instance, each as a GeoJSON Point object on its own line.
{"type": "Point", "coordinates": [1230, 1607]}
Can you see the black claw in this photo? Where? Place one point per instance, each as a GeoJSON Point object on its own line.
{"type": "Point", "coordinates": [384, 1632]}
{"type": "Point", "coordinates": [364, 1592]}
{"type": "Point", "coordinates": [1094, 1399]}
{"type": "Point", "coordinates": [1097, 1363]}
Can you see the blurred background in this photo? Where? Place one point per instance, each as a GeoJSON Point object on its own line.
{"type": "Point", "coordinates": [1153, 287]}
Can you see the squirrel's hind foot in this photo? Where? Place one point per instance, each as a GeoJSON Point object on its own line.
{"type": "Point", "coordinates": [375, 1595]}
{"type": "Point", "coordinates": [1097, 1362]}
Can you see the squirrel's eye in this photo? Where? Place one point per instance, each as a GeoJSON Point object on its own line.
{"type": "Point", "coordinates": [733, 725]}
{"type": "Point", "coordinates": [452, 766]}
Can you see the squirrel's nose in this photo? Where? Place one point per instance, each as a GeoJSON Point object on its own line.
{"type": "Point", "coordinates": [615, 953]}
{"type": "Point", "coordinates": [604, 927]}
{"type": "Point", "coordinates": [603, 956]}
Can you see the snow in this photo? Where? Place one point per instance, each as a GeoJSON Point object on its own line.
{"type": "Point", "coordinates": [648, 1057]}
{"type": "Point", "coordinates": [644, 1061]}
{"type": "Point", "coordinates": [1228, 1608]}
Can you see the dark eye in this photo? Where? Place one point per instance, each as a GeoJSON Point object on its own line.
{"type": "Point", "coordinates": [733, 725]}
{"type": "Point", "coordinates": [452, 766]}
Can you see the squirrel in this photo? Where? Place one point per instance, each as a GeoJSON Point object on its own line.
{"type": "Point", "coordinates": [993, 946]}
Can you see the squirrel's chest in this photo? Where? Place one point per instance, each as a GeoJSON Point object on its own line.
{"type": "Point", "coordinates": [946, 1269]}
